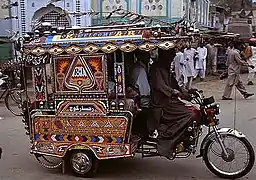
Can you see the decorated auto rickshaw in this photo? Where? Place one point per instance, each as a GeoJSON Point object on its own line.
{"type": "Point", "coordinates": [83, 110]}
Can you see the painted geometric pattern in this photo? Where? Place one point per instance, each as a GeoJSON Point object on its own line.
{"type": "Point", "coordinates": [81, 73]}
{"type": "Point", "coordinates": [102, 151]}
{"type": "Point", "coordinates": [79, 96]}
{"type": "Point", "coordinates": [39, 83]}
{"type": "Point", "coordinates": [78, 138]}
{"type": "Point", "coordinates": [81, 129]}
{"type": "Point", "coordinates": [128, 46]}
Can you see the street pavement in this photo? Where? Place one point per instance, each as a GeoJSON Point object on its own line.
{"type": "Point", "coordinates": [18, 164]}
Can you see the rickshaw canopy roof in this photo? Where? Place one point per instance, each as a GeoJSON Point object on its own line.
{"type": "Point", "coordinates": [107, 40]}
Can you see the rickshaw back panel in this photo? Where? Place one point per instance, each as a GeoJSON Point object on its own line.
{"type": "Point", "coordinates": [106, 136]}
{"type": "Point", "coordinates": [81, 110]}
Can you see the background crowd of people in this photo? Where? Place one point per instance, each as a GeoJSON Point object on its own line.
{"type": "Point", "coordinates": [190, 63]}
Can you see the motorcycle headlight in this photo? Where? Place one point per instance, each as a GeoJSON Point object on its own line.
{"type": "Point", "coordinates": [208, 101]}
{"type": "Point", "coordinates": [217, 109]}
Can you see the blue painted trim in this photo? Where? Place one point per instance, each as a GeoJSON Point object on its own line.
{"type": "Point", "coordinates": [128, 4]}
{"type": "Point", "coordinates": [99, 6]}
{"type": "Point", "coordinates": [169, 9]}
{"type": "Point", "coordinates": [139, 6]}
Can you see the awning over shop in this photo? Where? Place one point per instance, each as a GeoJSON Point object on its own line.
{"type": "Point", "coordinates": [5, 49]}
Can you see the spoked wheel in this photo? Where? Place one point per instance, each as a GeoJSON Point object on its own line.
{"type": "Point", "coordinates": [49, 162]}
{"type": "Point", "coordinates": [237, 164]}
{"type": "Point", "coordinates": [83, 163]}
{"type": "Point", "coordinates": [13, 102]}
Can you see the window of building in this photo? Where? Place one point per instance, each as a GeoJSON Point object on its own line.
{"type": "Point", "coordinates": [154, 7]}
{"type": "Point", "coordinates": [68, 5]}
{"type": "Point", "coordinates": [33, 4]}
{"type": "Point", "coordinates": [110, 5]}
{"type": "Point", "coordinates": [56, 19]}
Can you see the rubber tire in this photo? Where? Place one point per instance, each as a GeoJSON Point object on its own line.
{"type": "Point", "coordinates": [243, 173]}
{"type": "Point", "coordinates": [92, 158]}
{"type": "Point", "coordinates": [8, 95]}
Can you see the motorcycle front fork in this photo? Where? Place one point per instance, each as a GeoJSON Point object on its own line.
{"type": "Point", "coordinates": [220, 140]}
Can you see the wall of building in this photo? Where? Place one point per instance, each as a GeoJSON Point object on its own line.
{"type": "Point", "coordinates": [3, 12]}
{"type": "Point", "coordinates": [196, 10]}
{"type": "Point", "coordinates": [167, 10]}
{"type": "Point", "coordinates": [154, 8]}
{"type": "Point", "coordinates": [29, 10]}
{"type": "Point", "coordinates": [177, 9]}
{"type": "Point", "coordinates": [5, 25]}
{"type": "Point", "coordinates": [5, 29]}
{"type": "Point", "coordinates": [203, 12]}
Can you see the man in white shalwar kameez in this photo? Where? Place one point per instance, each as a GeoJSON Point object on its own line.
{"type": "Point", "coordinates": [189, 54]}
{"type": "Point", "coordinates": [201, 62]}
{"type": "Point", "coordinates": [180, 69]}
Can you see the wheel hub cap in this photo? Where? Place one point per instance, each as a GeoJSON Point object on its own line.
{"type": "Point", "coordinates": [81, 163]}
{"type": "Point", "coordinates": [230, 157]}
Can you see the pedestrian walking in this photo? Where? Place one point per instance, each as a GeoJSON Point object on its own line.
{"type": "Point", "coordinates": [212, 52]}
{"type": "Point", "coordinates": [189, 55]}
{"type": "Point", "coordinates": [179, 67]}
{"type": "Point", "coordinates": [200, 66]}
{"type": "Point", "coordinates": [250, 54]}
{"type": "Point", "coordinates": [234, 63]}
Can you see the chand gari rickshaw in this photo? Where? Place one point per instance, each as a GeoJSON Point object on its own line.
{"type": "Point", "coordinates": [83, 110]}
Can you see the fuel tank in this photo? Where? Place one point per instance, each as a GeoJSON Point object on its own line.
{"type": "Point", "coordinates": [196, 111]}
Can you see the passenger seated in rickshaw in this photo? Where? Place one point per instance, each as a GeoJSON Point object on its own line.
{"type": "Point", "coordinates": [168, 114]}
{"type": "Point", "coordinates": [139, 81]}
{"type": "Point", "coordinates": [138, 89]}
{"type": "Point", "coordinates": [139, 78]}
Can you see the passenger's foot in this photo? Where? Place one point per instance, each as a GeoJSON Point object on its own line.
{"type": "Point", "coordinates": [201, 79]}
{"type": "Point", "coordinates": [247, 95]}
{"type": "Point", "coordinates": [250, 83]}
{"type": "Point", "coordinates": [225, 98]}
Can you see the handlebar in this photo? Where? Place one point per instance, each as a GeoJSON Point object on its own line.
{"type": "Point", "coordinates": [195, 92]}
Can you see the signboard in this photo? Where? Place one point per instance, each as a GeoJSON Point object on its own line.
{"type": "Point", "coordinates": [83, 36]}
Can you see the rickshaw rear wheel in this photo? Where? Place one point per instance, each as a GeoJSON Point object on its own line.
{"type": "Point", "coordinates": [83, 163]}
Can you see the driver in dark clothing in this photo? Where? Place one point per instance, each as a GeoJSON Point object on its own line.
{"type": "Point", "coordinates": [169, 115]}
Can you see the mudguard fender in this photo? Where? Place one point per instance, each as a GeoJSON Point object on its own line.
{"type": "Point", "coordinates": [212, 136]}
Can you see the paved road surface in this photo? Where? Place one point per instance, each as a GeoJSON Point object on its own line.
{"type": "Point", "coordinates": [18, 164]}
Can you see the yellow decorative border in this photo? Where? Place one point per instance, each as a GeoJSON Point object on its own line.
{"type": "Point", "coordinates": [91, 48]}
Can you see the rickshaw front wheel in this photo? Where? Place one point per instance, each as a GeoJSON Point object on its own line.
{"type": "Point", "coordinates": [83, 163]}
